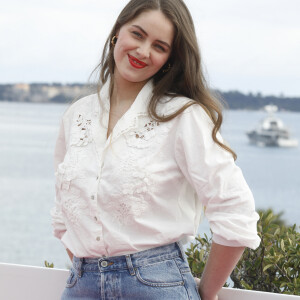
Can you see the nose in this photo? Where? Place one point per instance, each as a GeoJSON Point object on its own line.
{"type": "Point", "coordinates": [143, 51]}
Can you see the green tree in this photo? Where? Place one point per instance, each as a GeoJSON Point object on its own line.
{"type": "Point", "coordinates": [272, 267]}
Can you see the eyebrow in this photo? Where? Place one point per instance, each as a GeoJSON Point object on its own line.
{"type": "Point", "coordinates": [145, 33]}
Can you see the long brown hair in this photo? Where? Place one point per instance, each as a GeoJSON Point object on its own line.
{"type": "Point", "coordinates": [185, 77]}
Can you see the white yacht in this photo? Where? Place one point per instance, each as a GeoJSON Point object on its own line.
{"type": "Point", "coordinates": [271, 131]}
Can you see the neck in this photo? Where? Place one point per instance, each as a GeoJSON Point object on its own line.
{"type": "Point", "coordinates": [125, 91]}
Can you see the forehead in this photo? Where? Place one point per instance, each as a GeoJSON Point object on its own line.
{"type": "Point", "coordinates": [155, 23]}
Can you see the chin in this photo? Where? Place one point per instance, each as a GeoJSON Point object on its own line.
{"type": "Point", "coordinates": [135, 78]}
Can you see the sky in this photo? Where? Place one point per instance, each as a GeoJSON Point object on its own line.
{"type": "Point", "coordinates": [246, 45]}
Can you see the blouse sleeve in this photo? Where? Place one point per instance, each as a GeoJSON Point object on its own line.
{"type": "Point", "coordinates": [58, 224]}
{"type": "Point", "coordinates": [218, 181]}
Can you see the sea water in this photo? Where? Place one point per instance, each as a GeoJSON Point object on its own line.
{"type": "Point", "coordinates": [27, 136]}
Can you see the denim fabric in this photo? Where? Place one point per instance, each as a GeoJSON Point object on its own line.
{"type": "Point", "coordinates": [160, 273]}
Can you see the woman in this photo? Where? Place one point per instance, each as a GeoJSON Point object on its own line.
{"type": "Point", "coordinates": [137, 161]}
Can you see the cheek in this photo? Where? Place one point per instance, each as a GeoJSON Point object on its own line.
{"type": "Point", "coordinates": [120, 47]}
{"type": "Point", "coordinates": [119, 53]}
{"type": "Point", "coordinates": [160, 61]}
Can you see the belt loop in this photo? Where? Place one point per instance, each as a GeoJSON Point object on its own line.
{"type": "Point", "coordinates": [79, 267]}
{"type": "Point", "coordinates": [180, 249]}
{"type": "Point", "coordinates": [129, 264]}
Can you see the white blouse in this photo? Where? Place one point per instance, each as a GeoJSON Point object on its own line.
{"type": "Point", "coordinates": [146, 185]}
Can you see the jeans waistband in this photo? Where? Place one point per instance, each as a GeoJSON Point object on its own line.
{"type": "Point", "coordinates": [129, 261]}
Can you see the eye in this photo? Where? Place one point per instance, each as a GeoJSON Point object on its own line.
{"type": "Point", "coordinates": [161, 48]}
{"type": "Point", "coordinates": [137, 34]}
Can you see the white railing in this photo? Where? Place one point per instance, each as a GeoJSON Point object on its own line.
{"type": "Point", "coordinates": [35, 283]}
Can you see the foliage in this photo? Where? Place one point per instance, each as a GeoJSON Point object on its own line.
{"type": "Point", "coordinates": [272, 267]}
{"type": "Point", "coordinates": [48, 265]}
{"type": "Point", "coordinates": [197, 254]}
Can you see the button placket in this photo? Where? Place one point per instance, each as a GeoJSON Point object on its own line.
{"type": "Point", "coordinates": [98, 178]}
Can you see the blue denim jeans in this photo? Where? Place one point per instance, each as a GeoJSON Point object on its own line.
{"type": "Point", "coordinates": [160, 273]}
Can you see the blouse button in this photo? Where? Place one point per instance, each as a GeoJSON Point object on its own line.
{"type": "Point", "coordinates": [92, 197]}
{"type": "Point", "coordinates": [98, 238]}
{"type": "Point", "coordinates": [95, 218]}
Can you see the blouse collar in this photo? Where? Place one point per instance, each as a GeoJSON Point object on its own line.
{"type": "Point", "coordinates": [129, 121]}
{"type": "Point", "coordinates": [140, 104]}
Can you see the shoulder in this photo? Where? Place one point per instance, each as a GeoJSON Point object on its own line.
{"type": "Point", "coordinates": [83, 105]}
{"type": "Point", "coordinates": [169, 105]}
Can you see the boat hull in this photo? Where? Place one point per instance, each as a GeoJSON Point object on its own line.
{"type": "Point", "coordinates": [270, 140]}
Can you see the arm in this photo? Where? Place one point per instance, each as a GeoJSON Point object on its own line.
{"type": "Point", "coordinates": [219, 183]}
{"type": "Point", "coordinates": [59, 227]}
{"type": "Point", "coordinates": [223, 191]}
{"type": "Point", "coordinates": [70, 254]}
{"type": "Point", "coordinates": [221, 262]}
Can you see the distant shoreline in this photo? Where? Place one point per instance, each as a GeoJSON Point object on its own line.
{"type": "Point", "coordinates": [66, 93]}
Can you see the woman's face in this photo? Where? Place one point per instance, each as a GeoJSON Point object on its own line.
{"type": "Point", "coordinates": [144, 45]}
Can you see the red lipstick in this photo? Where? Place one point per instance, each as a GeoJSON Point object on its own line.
{"type": "Point", "coordinates": [136, 63]}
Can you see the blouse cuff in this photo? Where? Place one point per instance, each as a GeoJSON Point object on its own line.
{"type": "Point", "coordinates": [252, 244]}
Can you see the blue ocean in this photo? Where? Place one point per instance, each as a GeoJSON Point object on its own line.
{"type": "Point", "coordinates": [27, 136]}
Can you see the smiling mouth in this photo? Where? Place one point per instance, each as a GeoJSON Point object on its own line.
{"type": "Point", "coordinates": [136, 63]}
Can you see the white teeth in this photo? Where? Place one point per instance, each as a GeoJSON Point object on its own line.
{"type": "Point", "coordinates": [137, 62]}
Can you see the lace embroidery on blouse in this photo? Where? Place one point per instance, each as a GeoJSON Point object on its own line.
{"type": "Point", "coordinates": [73, 205]}
{"type": "Point", "coordinates": [69, 168]}
{"type": "Point", "coordinates": [133, 201]}
{"type": "Point", "coordinates": [129, 208]}
{"type": "Point", "coordinates": [82, 134]}
{"type": "Point", "coordinates": [143, 137]}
